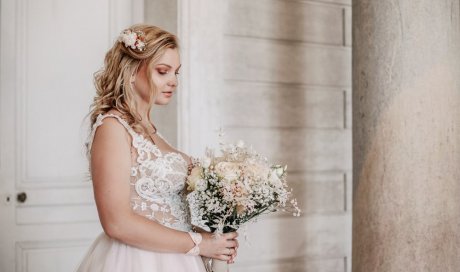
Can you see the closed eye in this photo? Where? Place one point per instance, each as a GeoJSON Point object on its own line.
{"type": "Point", "coordinates": [164, 72]}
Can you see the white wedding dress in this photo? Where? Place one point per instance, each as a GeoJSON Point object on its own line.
{"type": "Point", "coordinates": [157, 186]}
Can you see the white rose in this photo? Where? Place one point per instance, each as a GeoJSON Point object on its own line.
{"type": "Point", "coordinates": [205, 162]}
{"type": "Point", "coordinates": [195, 175]}
{"type": "Point", "coordinates": [258, 170]}
{"type": "Point", "coordinates": [228, 170]}
{"type": "Point", "coordinates": [129, 39]}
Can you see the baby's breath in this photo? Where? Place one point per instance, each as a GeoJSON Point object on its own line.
{"type": "Point", "coordinates": [237, 187]}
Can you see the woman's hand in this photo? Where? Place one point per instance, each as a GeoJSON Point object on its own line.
{"type": "Point", "coordinates": [222, 247]}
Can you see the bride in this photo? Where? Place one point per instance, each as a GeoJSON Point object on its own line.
{"type": "Point", "coordinates": [138, 177]}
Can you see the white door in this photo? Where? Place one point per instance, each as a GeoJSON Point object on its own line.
{"type": "Point", "coordinates": [49, 52]}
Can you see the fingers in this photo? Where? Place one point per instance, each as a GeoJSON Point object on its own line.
{"type": "Point", "coordinates": [231, 243]}
{"type": "Point", "coordinates": [226, 251]}
{"type": "Point", "coordinates": [232, 259]}
{"type": "Point", "coordinates": [231, 239]}
{"type": "Point", "coordinates": [223, 257]}
{"type": "Point", "coordinates": [230, 251]}
{"type": "Point", "coordinates": [226, 246]}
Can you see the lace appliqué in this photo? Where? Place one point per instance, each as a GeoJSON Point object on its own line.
{"type": "Point", "coordinates": [157, 180]}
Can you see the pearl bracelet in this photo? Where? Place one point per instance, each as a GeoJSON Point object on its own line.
{"type": "Point", "coordinates": [196, 238]}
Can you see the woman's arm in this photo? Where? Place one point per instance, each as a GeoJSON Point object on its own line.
{"type": "Point", "coordinates": [111, 165]}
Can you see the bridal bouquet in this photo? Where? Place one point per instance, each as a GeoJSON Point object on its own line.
{"type": "Point", "coordinates": [236, 187]}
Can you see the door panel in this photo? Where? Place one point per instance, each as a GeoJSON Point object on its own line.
{"type": "Point", "coordinates": [49, 52]}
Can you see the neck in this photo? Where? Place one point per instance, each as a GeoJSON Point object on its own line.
{"type": "Point", "coordinates": [142, 109]}
{"type": "Point", "coordinates": [144, 115]}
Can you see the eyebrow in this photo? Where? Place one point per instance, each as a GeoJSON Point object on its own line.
{"type": "Point", "coordinates": [169, 65]}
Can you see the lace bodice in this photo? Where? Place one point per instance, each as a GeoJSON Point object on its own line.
{"type": "Point", "coordinates": [157, 180]}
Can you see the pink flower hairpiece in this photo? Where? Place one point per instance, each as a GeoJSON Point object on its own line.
{"type": "Point", "coordinates": [133, 39]}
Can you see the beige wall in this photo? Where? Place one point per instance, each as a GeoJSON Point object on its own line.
{"type": "Point", "coordinates": [277, 74]}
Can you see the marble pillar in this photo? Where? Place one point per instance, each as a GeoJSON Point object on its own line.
{"type": "Point", "coordinates": [406, 135]}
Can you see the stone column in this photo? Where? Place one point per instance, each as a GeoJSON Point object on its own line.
{"type": "Point", "coordinates": [406, 135]}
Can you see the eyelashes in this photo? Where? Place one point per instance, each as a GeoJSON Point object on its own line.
{"type": "Point", "coordinates": [164, 73]}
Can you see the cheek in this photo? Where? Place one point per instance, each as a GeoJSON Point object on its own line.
{"type": "Point", "coordinates": [158, 80]}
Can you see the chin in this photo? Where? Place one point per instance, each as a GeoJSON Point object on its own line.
{"type": "Point", "coordinates": [162, 102]}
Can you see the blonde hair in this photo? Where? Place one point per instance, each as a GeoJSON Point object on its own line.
{"type": "Point", "coordinates": [112, 82]}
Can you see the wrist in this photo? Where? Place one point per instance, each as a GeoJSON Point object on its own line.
{"type": "Point", "coordinates": [196, 238]}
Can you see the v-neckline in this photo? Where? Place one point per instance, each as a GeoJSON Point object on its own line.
{"type": "Point", "coordinates": [162, 153]}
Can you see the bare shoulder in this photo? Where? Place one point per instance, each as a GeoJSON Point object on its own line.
{"type": "Point", "coordinates": [111, 134]}
{"type": "Point", "coordinates": [110, 153]}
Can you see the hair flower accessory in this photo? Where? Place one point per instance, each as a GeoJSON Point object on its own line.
{"type": "Point", "coordinates": [133, 39]}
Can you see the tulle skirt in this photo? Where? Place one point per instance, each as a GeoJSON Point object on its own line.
{"type": "Point", "coordinates": [109, 255]}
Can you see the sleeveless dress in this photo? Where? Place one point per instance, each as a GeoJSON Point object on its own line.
{"type": "Point", "coordinates": [156, 192]}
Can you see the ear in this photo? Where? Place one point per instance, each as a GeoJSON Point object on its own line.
{"type": "Point", "coordinates": [133, 76]}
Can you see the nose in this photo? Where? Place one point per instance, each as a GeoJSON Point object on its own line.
{"type": "Point", "coordinates": [173, 81]}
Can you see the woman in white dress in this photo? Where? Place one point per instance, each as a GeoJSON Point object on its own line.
{"type": "Point", "coordinates": [138, 177]}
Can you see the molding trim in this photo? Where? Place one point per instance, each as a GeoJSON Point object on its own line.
{"type": "Point", "coordinates": [24, 249]}
{"type": "Point", "coordinates": [184, 122]}
{"type": "Point", "coordinates": [120, 16]}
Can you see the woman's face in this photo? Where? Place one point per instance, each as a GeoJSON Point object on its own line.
{"type": "Point", "coordinates": [164, 75]}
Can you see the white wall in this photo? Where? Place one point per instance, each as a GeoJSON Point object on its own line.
{"type": "Point", "coordinates": [277, 74]}
{"type": "Point", "coordinates": [163, 13]}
